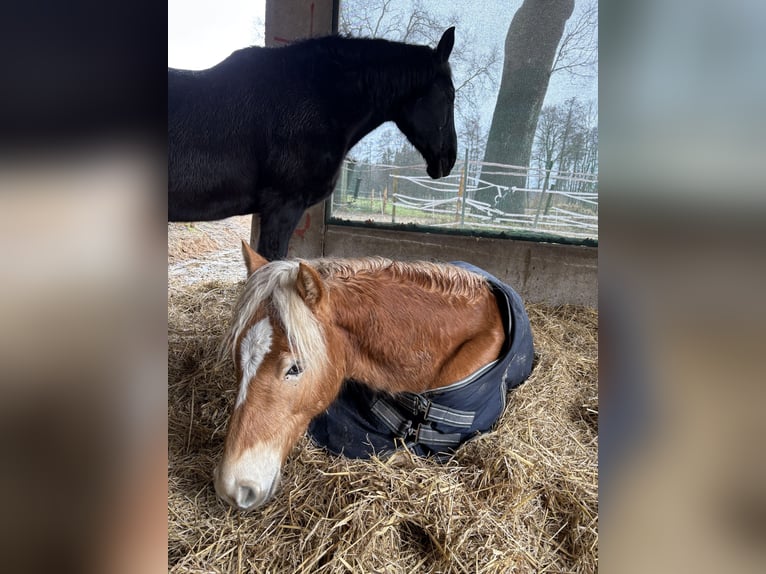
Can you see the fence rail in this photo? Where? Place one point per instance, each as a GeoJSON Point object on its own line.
{"type": "Point", "coordinates": [552, 202]}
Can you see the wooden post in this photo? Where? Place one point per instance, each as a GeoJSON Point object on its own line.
{"type": "Point", "coordinates": [343, 182]}
{"type": "Point", "coordinates": [460, 209]}
{"type": "Point", "coordinates": [393, 198]}
{"type": "Point", "coordinates": [549, 166]}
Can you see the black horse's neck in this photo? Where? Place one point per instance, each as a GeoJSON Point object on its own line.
{"type": "Point", "coordinates": [391, 73]}
{"type": "Point", "coordinates": [375, 77]}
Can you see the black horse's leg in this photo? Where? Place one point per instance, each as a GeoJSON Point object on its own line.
{"type": "Point", "coordinates": [276, 228]}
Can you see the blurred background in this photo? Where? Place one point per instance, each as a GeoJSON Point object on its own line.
{"type": "Point", "coordinates": [82, 326]}
{"type": "Point", "coordinates": [681, 270]}
{"type": "Point", "coordinates": [83, 345]}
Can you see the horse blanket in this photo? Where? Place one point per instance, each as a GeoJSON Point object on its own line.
{"type": "Point", "coordinates": [362, 422]}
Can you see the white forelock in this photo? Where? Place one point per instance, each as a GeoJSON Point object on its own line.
{"type": "Point", "coordinates": [255, 345]}
{"type": "Point", "coordinates": [274, 285]}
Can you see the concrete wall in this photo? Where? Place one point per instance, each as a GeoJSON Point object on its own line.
{"type": "Point", "coordinates": [541, 272]}
{"type": "Point", "coordinates": [289, 20]}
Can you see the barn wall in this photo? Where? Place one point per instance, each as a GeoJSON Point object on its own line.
{"type": "Point", "coordinates": [289, 20]}
{"type": "Point", "coordinates": [541, 272]}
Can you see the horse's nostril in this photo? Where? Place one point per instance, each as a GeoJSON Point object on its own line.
{"type": "Point", "coordinates": [246, 497]}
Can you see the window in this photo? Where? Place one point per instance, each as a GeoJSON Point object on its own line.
{"type": "Point", "coordinates": [534, 182]}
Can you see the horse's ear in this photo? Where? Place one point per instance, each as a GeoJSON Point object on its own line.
{"type": "Point", "coordinates": [309, 285]}
{"type": "Point", "coordinates": [253, 261]}
{"type": "Point", "coordinates": [444, 49]}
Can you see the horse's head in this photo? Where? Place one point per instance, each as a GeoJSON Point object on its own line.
{"type": "Point", "coordinates": [287, 375]}
{"type": "Point", "coordinates": [428, 119]}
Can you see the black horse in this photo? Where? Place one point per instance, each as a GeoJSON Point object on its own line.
{"type": "Point", "coordinates": [266, 130]}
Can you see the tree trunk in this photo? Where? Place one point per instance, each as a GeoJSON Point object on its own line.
{"type": "Point", "coordinates": [530, 49]}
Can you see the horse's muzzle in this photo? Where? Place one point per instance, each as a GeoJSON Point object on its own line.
{"type": "Point", "coordinates": [250, 481]}
{"type": "Point", "coordinates": [435, 172]}
{"type": "Point", "coordinates": [440, 168]}
{"type": "Point", "coordinates": [244, 496]}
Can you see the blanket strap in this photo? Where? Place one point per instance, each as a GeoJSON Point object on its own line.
{"type": "Point", "coordinates": [413, 432]}
{"type": "Point", "coordinates": [433, 412]}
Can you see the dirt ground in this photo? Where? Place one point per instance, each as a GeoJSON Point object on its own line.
{"type": "Point", "coordinates": [194, 240]}
{"type": "Point", "coordinates": [206, 251]}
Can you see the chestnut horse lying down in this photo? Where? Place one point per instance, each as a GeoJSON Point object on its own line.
{"type": "Point", "coordinates": [367, 354]}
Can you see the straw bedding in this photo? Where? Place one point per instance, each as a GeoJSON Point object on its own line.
{"type": "Point", "coordinates": [192, 240]}
{"type": "Point", "coordinates": [523, 498]}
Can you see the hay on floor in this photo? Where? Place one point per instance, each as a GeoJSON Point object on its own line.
{"type": "Point", "coordinates": [523, 498]}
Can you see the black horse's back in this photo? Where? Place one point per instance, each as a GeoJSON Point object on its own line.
{"type": "Point", "coordinates": [266, 130]}
{"type": "Point", "coordinates": [211, 168]}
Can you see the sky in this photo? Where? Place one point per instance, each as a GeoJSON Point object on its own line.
{"type": "Point", "coordinates": [491, 18]}
{"type": "Point", "coordinates": [201, 33]}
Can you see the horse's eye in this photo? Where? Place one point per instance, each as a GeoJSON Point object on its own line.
{"type": "Point", "coordinates": [293, 372]}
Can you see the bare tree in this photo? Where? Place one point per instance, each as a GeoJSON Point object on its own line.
{"type": "Point", "coordinates": [393, 20]}
{"type": "Point", "coordinates": [530, 50]}
{"type": "Point", "coordinates": [474, 140]}
{"type": "Point", "coordinates": [548, 140]}
{"type": "Point", "coordinates": [566, 142]}
{"type": "Point", "coordinates": [474, 68]}
{"type": "Point", "coordinates": [559, 129]}
{"type": "Point", "coordinates": [578, 50]}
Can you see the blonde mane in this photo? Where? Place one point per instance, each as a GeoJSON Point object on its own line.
{"type": "Point", "coordinates": [273, 285]}
{"type": "Point", "coordinates": [441, 278]}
